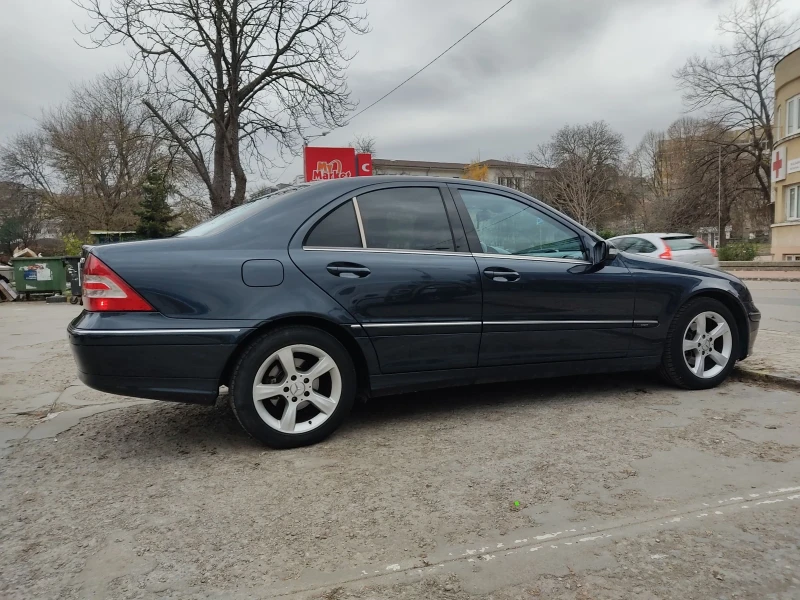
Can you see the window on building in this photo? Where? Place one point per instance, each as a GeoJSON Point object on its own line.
{"type": "Point", "coordinates": [511, 182]}
{"type": "Point", "coordinates": [339, 229]}
{"type": "Point", "coordinates": [793, 203]}
{"type": "Point", "coordinates": [405, 219]}
{"type": "Point", "coordinates": [778, 124]}
{"type": "Point", "coordinates": [793, 116]}
{"type": "Point", "coordinates": [506, 226]}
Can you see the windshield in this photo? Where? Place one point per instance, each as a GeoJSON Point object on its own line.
{"type": "Point", "coordinates": [240, 213]}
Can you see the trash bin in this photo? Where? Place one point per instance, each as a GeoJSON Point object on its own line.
{"type": "Point", "coordinates": [41, 275]}
{"type": "Point", "coordinates": [73, 273]}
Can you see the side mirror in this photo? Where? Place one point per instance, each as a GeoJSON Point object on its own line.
{"type": "Point", "coordinates": [603, 252]}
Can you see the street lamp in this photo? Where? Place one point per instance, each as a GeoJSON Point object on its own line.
{"type": "Point", "coordinates": [314, 137]}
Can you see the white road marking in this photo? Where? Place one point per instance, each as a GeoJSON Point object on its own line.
{"type": "Point", "coordinates": [467, 555]}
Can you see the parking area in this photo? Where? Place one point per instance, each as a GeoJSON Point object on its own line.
{"type": "Point", "coordinates": [586, 488]}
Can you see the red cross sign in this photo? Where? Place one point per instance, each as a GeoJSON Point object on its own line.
{"type": "Point", "coordinates": [778, 165]}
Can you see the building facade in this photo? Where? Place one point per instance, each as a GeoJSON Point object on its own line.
{"type": "Point", "coordinates": [508, 173]}
{"type": "Point", "coordinates": [786, 159]}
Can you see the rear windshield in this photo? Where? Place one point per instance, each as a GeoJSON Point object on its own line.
{"type": "Point", "coordinates": [239, 214]}
{"type": "Point", "coordinates": [685, 242]}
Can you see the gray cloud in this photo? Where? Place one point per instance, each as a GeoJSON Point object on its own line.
{"type": "Point", "coordinates": [534, 67]}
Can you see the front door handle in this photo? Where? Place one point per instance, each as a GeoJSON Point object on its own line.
{"type": "Point", "coordinates": [501, 274]}
{"type": "Point", "coordinates": [348, 270]}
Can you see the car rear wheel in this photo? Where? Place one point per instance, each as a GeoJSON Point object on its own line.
{"type": "Point", "coordinates": [702, 345]}
{"type": "Point", "coordinates": [293, 387]}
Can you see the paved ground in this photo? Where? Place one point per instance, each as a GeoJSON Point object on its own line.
{"type": "Point", "coordinates": [777, 351]}
{"type": "Point", "coordinates": [591, 488]}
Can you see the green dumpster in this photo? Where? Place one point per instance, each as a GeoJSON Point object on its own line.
{"type": "Point", "coordinates": [41, 275]}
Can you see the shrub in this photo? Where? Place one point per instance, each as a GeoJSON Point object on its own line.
{"type": "Point", "coordinates": [738, 251]}
{"type": "Point", "coordinates": [73, 244]}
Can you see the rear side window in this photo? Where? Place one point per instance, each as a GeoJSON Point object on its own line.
{"type": "Point", "coordinates": [646, 246]}
{"type": "Point", "coordinates": [405, 219]}
{"type": "Point", "coordinates": [684, 243]}
{"type": "Point", "coordinates": [623, 244]}
{"type": "Point", "coordinates": [339, 229]}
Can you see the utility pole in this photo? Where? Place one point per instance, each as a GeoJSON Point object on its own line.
{"type": "Point", "coordinates": [719, 199]}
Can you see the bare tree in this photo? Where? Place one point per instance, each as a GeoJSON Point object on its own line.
{"type": "Point", "coordinates": [584, 162]}
{"type": "Point", "coordinates": [90, 156]}
{"type": "Point", "coordinates": [735, 85]}
{"type": "Point", "coordinates": [364, 144]}
{"type": "Point", "coordinates": [21, 216]}
{"type": "Point", "coordinates": [696, 179]}
{"type": "Point", "coordinates": [228, 77]}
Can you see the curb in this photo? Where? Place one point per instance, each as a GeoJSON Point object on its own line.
{"type": "Point", "coordinates": [765, 278]}
{"type": "Point", "coordinates": [782, 380]}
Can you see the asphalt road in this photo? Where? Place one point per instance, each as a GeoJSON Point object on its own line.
{"type": "Point", "coordinates": [779, 303]}
{"type": "Point", "coordinates": [586, 488]}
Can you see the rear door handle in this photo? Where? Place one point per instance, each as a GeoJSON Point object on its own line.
{"type": "Point", "coordinates": [501, 274]}
{"type": "Point", "coordinates": [348, 270]}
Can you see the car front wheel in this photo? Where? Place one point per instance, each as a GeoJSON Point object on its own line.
{"type": "Point", "coordinates": [702, 345]}
{"type": "Point", "coordinates": [293, 387]}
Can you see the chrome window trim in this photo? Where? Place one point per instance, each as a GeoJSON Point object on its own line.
{"type": "Point", "coordinates": [150, 331]}
{"type": "Point", "coordinates": [534, 258]}
{"type": "Point", "coordinates": [360, 222]}
{"type": "Point", "coordinates": [385, 251]}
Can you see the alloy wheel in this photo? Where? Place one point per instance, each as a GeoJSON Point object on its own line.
{"type": "Point", "coordinates": [707, 344]}
{"type": "Point", "coordinates": [297, 389]}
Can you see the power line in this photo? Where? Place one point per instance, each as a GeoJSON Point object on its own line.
{"type": "Point", "coordinates": [394, 89]}
{"type": "Point", "coordinates": [456, 43]}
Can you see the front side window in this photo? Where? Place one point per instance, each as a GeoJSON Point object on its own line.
{"type": "Point", "coordinates": [793, 202]}
{"type": "Point", "coordinates": [411, 218]}
{"type": "Point", "coordinates": [506, 226]}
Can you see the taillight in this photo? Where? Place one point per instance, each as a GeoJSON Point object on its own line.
{"type": "Point", "coordinates": [666, 254]}
{"type": "Point", "coordinates": [713, 252]}
{"type": "Point", "coordinates": [104, 290]}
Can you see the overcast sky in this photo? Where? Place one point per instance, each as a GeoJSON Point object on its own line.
{"type": "Point", "coordinates": [534, 67]}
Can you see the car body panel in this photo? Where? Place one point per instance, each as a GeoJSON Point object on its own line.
{"type": "Point", "coordinates": [400, 325]}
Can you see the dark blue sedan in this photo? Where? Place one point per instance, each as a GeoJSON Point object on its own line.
{"type": "Point", "coordinates": [300, 301]}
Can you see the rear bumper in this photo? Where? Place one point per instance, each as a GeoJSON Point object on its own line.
{"type": "Point", "coordinates": [180, 363]}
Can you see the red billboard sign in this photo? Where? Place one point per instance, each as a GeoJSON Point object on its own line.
{"type": "Point", "coordinates": [364, 162]}
{"type": "Point", "coordinates": [335, 163]}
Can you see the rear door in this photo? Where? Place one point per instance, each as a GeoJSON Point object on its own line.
{"type": "Point", "coordinates": [390, 257]}
{"type": "Point", "coordinates": [543, 300]}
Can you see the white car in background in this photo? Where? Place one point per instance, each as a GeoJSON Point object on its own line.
{"type": "Point", "coordinates": [679, 247]}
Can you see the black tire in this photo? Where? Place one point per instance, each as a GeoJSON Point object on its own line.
{"type": "Point", "coordinates": [673, 366]}
{"type": "Point", "coordinates": [241, 392]}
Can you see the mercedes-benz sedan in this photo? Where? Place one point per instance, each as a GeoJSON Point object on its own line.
{"type": "Point", "coordinates": [301, 301]}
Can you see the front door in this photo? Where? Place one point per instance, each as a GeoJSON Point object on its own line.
{"type": "Point", "coordinates": [390, 258]}
{"type": "Point", "coordinates": [543, 301]}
